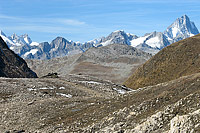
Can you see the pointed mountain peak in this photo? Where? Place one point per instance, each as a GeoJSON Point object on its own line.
{"type": "Point", "coordinates": [185, 17]}
{"type": "Point", "coordinates": [183, 20]}
{"type": "Point", "coordinates": [118, 31]}
{"type": "Point", "coordinates": [14, 36]}
{"type": "Point", "coordinates": [60, 40]}
{"type": "Point", "coordinates": [182, 28]}
{"type": "Point", "coordinates": [26, 38]}
{"type": "Point", "coordinates": [1, 33]}
{"type": "Point", "coordinates": [25, 35]}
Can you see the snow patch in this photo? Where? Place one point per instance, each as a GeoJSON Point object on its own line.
{"type": "Point", "coordinates": [168, 38]}
{"type": "Point", "coordinates": [32, 51]}
{"type": "Point", "coordinates": [154, 42]}
{"type": "Point", "coordinates": [91, 104]}
{"type": "Point", "coordinates": [175, 31]}
{"type": "Point", "coordinates": [106, 43]}
{"type": "Point", "coordinates": [31, 89]}
{"type": "Point", "coordinates": [138, 41]}
{"type": "Point", "coordinates": [118, 31]}
{"type": "Point", "coordinates": [191, 35]}
{"type": "Point", "coordinates": [119, 91]}
{"type": "Point", "coordinates": [62, 88]}
{"type": "Point", "coordinates": [18, 44]}
{"type": "Point", "coordinates": [96, 41]}
{"type": "Point", "coordinates": [91, 82]}
{"type": "Point", "coordinates": [45, 88]}
{"type": "Point", "coordinates": [64, 95]}
{"type": "Point", "coordinates": [26, 40]}
{"type": "Point", "coordinates": [7, 40]}
{"type": "Point", "coordinates": [11, 48]}
{"type": "Point", "coordinates": [34, 44]}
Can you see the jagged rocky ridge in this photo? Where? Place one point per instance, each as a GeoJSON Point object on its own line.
{"type": "Point", "coordinates": [59, 47]}
{"type": "Point", "coordinates": [12, 65]}
{"type": "Point", "coordinates": [151, 42]}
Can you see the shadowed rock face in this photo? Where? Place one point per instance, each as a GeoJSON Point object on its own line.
{"type": "Point", "coordinates": [11, 65]}
{"type": "Point", "coordinates": [179, 59]}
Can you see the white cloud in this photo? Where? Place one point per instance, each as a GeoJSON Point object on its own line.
{"type": "Point", "coordinates": [2, 16]}
{"type": "Point", "coordinates": [40, 28]}
{"type": "Point", "coordinates": [70, 22]}
{"type": "Point", "coordinates": [54, 21]}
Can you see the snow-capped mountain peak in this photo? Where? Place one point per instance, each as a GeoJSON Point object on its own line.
{"type": "Point", "coordinates": [118, 31]}
{"type": "Point", "coordinates": [182, 28]}
{"type": "Point", "coordinates": [151, 42]}
{"type": "Point", "coordinates": [7, 40]}
{"type": "Point", "coordinates": [117, 37]}
{"type": "Point", "coordinates": [27, 39]}
{"type": "Point", "coordinates": [23, 39]}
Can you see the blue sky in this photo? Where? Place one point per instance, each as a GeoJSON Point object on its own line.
{"type": "Point", "coordinates": [84, 20]}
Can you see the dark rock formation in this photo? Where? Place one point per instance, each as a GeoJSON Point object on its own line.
{"type": "Point", "coordinates": [11, 65]}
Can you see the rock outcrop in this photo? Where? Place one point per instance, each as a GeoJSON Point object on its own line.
{"type": "Point", "coordinates": [12, 65]}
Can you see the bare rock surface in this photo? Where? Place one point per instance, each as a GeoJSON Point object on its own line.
{"type": "Point", "coordinates": [114, 62]}
{"type": "Point", "coordinates": [81, 103]}
{"type": "Point", "coordinates": [11, 65]}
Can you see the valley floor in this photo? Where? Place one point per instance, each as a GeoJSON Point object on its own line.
{"type": "Point", "coordinates": [79, 103]}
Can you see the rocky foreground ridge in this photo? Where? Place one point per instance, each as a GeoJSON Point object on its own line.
{"type": "Point", "coordinates": [80, 103]}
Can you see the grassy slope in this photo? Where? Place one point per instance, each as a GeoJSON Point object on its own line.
{"type": "Point", "coordinates": [179, 59]}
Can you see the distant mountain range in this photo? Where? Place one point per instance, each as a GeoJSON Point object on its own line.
{"type": "Point", "coordinates": [151, 42]}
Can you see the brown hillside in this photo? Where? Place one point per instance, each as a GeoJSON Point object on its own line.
{"type": "Point", "coordinates": [179, 59]}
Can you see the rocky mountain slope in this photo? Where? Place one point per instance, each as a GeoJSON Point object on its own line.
{"type": "Point", "coordinates": [151, 42]}
{"type": "Point", "coordinates": [83, 104]}
{"type": "Point", "coordinates": [113, 53]}
{"type": "Point", "coordinates": [168, 107]}
{"type": "Point", "coordinates": [12, 65]}
{"type": "Point", "coordinates": [179, 59]}
{"type": "Point", "coordinates": [113, 62]}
